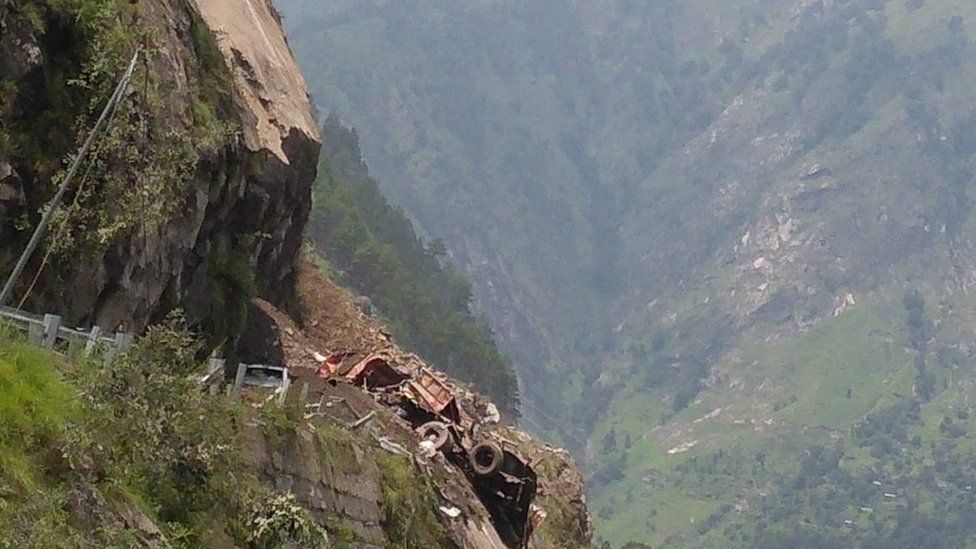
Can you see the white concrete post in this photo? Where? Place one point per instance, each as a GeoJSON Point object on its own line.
{"type": "Point", "coordinates": [52, 323]}
{"type": "Point", "coordinates": [239, 380]}
{"type": "Point", "coordinates": [92, 344]}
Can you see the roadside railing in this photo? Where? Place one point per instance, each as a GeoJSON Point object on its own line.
{"type": "Point", "coordinates": [47, 331]}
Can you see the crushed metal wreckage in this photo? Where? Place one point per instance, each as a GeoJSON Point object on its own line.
{"type": "Point", "coordinates": [503, 480]}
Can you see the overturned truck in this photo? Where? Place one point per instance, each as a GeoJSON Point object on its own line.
{"type": "Point", "coordinates": [502, 479]}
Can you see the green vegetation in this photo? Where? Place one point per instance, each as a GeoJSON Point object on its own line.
{"type": "Point", "coordinates": [86, 450]}
{"type": "Point", "coordinates": [411, 522]}
{"type": "Point", "coordinates": [666, 206]}
{"type": "Point", "coordinates": [372, 247]}
{"type": "Point", "coordinates": [35, 405]}
{"type": "Point", "coordinates": [81, 442]}
{"type": "Point", "coordinates": [279, 520]}
{"type": "Point", "coordinates": [233, 287]}
{"type": "Point", "coordinates": [801, 439]}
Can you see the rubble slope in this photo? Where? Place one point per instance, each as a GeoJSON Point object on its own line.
{"type": "Point", "coordinates": [332, 323]}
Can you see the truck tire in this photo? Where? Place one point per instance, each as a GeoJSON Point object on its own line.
{"type": "Point", "coordinates": [436, 432]}
{"type": "Point", "coordinates": [485, 458]}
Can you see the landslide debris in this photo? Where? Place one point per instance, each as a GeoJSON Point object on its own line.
{"type": "Point", "coordinates": [472, 511]}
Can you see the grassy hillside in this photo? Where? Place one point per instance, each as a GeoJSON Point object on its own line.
{"type": "Point", "coordinates": [87, 451]}
{"type": "Point", "coordinates": [137, 455]}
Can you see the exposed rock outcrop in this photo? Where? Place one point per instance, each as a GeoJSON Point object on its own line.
{"type": "Point", "coordinates": [249, 196]}
{"type": "Point", "coordinates": [339, 484]}
{"type": "Point", "coordinates": [271, 91]}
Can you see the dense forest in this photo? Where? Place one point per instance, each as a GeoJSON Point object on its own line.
{"type": "Point", "coordinates": [724, 242]}
{"type": "Point", "coordinates": [372, 247]}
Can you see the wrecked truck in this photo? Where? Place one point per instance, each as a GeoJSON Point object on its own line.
{"type": "Point", "coordinates": [502, 479]}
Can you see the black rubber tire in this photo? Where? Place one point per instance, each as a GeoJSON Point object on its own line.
{"type": "Point", "coordinates": [485, 458]}
{"type": "Point", "coordinates": [436, 432]}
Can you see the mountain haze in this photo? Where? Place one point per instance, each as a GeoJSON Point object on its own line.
{"type": "Point", "coordinates": [728, 244]}
{"type": "Point", "coordinates": [179, 365]}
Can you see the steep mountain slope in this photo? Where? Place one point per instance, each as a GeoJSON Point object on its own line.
{"type": "Point", "coordinates": [439, 124]}
{"type": "Point", "coordinates": [516, 133]}
{"type": "Point", "coordinates": [698, 225]}
{"type": "Point", "coordinates": [373, 248]}
{"type": "Point", "coordinates": [192, 206]}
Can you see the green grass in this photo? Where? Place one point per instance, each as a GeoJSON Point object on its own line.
{"type": "Point", "coordinates": [655, 515]}
{"type": "Point", "coordinates": [35, 405]}
{"type": "Point", "coordinates": [830, 359]}
{"type": "Point", "coordinates": [408, 503]}
{"type": "Point", "coordinates": [806, 377]}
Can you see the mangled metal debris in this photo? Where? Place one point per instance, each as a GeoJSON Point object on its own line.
{"type": "Point", "coordinates": [431, 393]}
{"type": "Point", "coordinates": [502, 479]}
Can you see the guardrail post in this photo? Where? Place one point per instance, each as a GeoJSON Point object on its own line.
{"type": "Point", "coordinates": [92, 344]}
{"type": "Point", "coordinates": [35, 333]}
{"type": "Point", "coordinates": [73, 344]}
{"type": "Point", "coordinates": [239, 380]}
{"type": "Point", "coordinates": [120, 343]}
{"type": "Point", "coordinates": [52, 323]}
{"type": "Point", "coordinates": [286, 384]}
{"type": "Point", "coordinates": [123, 341]}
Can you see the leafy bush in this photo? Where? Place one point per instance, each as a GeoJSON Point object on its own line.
{"type": "Point", "coordinates": [278, 519]}
{"type": "Point", "coordinates": [160, 436]}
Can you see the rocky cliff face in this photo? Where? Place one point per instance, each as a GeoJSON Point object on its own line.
{"type": "Point", "coordinates": [240, 198]}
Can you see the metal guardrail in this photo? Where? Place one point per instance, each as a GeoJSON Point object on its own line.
{"type": "Point", "coordinates": [46, 331]}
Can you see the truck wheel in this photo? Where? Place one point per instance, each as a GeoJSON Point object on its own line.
{"type": "Point", "coordinates": [436, 432]}
{"type": "Point", "coordinates": [485, 458]}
